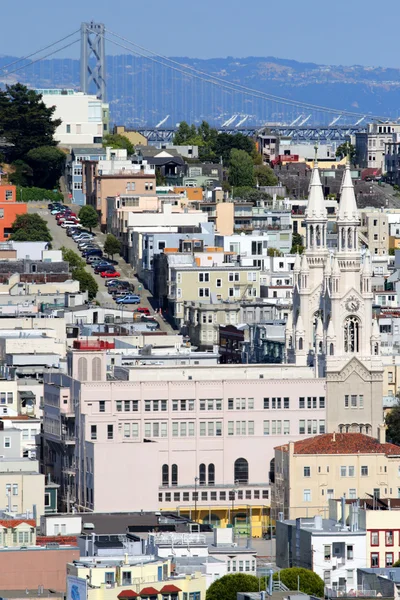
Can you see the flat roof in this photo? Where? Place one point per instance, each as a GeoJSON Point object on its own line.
{"type": "Point", "coordinates": [328, 526]}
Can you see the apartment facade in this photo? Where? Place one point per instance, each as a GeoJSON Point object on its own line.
{"type": "Point", "coordinates": [228, 283]}
{"type": "Point", "coordinates": [84, 118]}
{"type": "Point", "coordinates": [374, 231]}
{"type": "Point", "coordinates": [73, 168]}
{"type": "Point", "coordinates": [10, 209]}
{"type": "Point", "coordinates": [370, 146]}
{"type": "Point", "coordinates": [311, 472]}
{"type": "Point", "coordinates": [212, 433]}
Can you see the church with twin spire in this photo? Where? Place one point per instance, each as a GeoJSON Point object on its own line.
{"type": "Point", "coordinates": [331, 327]}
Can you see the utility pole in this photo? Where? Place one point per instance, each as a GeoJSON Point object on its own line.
{"type": "Point", "coordinates": [93, 59]}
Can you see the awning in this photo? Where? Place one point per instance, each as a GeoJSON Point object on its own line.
{"type": "Point", "coordinates": [127, 594]}
{"type": "Point", "coordinates": [149, 591]}
{"type": "Point", "coordinates": [170, 589]}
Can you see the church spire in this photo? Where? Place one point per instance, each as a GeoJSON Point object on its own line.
{"type": "Point", "coordinates": [348, 212]}
{"type": "Point", "coordinates": [316, 209]}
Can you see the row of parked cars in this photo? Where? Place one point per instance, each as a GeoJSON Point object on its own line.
{"type": "Point", "coordinates": [122, 291]}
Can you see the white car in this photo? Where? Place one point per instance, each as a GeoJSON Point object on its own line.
{"type": "Point", "coordinates": [67, 223]}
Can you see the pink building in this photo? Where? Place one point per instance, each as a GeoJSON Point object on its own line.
{"type": "Point", "coordinates": [187, 438]}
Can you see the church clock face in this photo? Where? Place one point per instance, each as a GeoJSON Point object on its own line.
{"type": "Point", "coordinates": [352, 304]}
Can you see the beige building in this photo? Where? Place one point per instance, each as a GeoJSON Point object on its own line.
{"type": "Point", "coordinates": [133, 136]}
{"type": "Point", "coordinates": [133, 577]}
{"type": "Point", "coordinates": [374, 231]}
{"type": "Point", "coordinates": [228, 283]}
{"type": "Point", "coordinates": [310, 472]}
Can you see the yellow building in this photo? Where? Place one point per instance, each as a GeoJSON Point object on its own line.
{"type": "Point", "coordinates": [310, 472]}
{"type": "Point", "coordinates": [245, 520]}
{"type": "Point", "coordinates": [126, 578]}
{"type": "Point", "coordinates": [133, 136]}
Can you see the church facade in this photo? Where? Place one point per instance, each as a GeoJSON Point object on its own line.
{"type": "Point", "coordinates": [332, 327]}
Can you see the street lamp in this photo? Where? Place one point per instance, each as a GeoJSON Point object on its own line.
{"type": "Point", "coordinates": [196, 479]}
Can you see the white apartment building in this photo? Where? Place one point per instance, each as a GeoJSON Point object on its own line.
{"type": "Point", "coordinates": [370, 146]}
{"type": "Point", "coordinates": [208, 435]}
{"type": "Point", "coordinates": [84, 117]}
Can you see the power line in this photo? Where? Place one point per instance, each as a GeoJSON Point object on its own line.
{"type": "Point", "coordinates": [37, 51]}
{"type": "Point", "coordinates": [235, 86]}
{"type": "Point", "coordinates": [42, 57]}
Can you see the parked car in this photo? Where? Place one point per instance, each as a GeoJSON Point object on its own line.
{"type": "Point", "coordinates": [69, 223]}
{"type": "Point", "coordinates": [93, 253]}
{"type": "Point", "coordinates": [101, 267]}
{"type": "Point", "coordinates": [143, 310]}
{"type": "Point", "coordinates": [128, 299]}
{"type": "Point", "coordinates": [93, 258]}
{"type": "Point", "coordinates": [120, 284]}
{"type": "Point", "coordinates": [106, 274]}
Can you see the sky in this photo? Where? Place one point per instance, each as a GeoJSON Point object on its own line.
{"type": "Point", "coordinates": [341, 32]}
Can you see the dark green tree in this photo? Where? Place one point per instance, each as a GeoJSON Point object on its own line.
{"type": "Point", "coordinates": [303, 579]}
{"type": "Point", "coordinates": [25, 120]}
{"type": "Point", "coordinates": [297, 244]}
{"type": "Point", "coordinates": [47, 165]}
{"type": "Point", "coordinates": [89, 217]}
{"type": "Point", "coordinates": [227, 587]}
{"type": "Point", "coordinates": [226, 142]}
{"type": "Point", "coordinates": [186, 134]}
{"type": "Point", "coordinates": [87, 282]}
{"type": "Point", "coordinates": [274, 252]}
{"type": "Point", "coordinates": [30, 228]}
{"type": "Point", "coordinates": [392, 421]}
{"type": "Point", "coordinates": [241, 170]}
{"type": "Point", "coordinates": [116, 140]}
{"type": "Point", "coordinates": [264, 175]}
{"type": "Point", "coordinates": [250, 194]}
{"type": "Point", "coordinates": [74, 260]}
{"type": "Point", "coordinates": [22, 175]}
{"type": "Point", "coordinates": [112, 245]}
{"type": "Point", "coordinates": [346, 149]}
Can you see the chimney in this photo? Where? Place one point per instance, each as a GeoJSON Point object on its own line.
{"type": "Point", "coordinates": [382, 433]}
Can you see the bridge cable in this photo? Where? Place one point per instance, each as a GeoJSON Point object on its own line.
{"type": "Point", "coordinates": [42, 57]}
{"type": "Point", "coordinates": [233, 85]}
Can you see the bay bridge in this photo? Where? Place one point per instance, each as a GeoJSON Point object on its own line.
{"type": "Point", "coordinates": [152, 93]}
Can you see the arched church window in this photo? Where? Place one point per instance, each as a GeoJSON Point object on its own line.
{"type": "Point", "coordinates": [320, 346]}
{"type": "Point", "coordinates": [311, 240]}
{"type": "Point", "coordinates": [290, 342]}
{"type": "Point", "coordinates": [343, 239]}
{"type": "Point", "coordinates": [349, 238]}
{"type": "Point", "coordinates": [301, 343]}
{"type": "Point", "coordinates": [331, 349]}
{"type": "Point", "coordinates": [376, 349]}
{"type": "Point", "coordinates": [318, 235]}
{"type": "Point", "coordinates": [351, 334]}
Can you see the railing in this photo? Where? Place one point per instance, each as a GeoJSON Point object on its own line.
{"type": "Point", "coordinates": [349, 592]}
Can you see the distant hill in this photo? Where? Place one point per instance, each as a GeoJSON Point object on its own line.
{"type": "Point", "coordinates": [142, 92]}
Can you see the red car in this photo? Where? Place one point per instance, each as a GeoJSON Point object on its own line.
{"type": "Point", "coordinates": [143, 310]}
{"type": "Point", "coordinates": [110, 274]}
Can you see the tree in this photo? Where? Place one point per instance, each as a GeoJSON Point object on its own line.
{"type": "Point", "coordinates": [87, 282]}
{"type": "Point", "coordinates": [397, 563]}
{"type": "Point", "coordinates": [250, 194]}
{"type": "Point", "coordinates": [303, 579]}
{"type": "Point", "coordinates": [74, 260]}
{"type": "Point", "coordinates": [392, 421]}
{"type": "Point", "coordinates": [88, 216]}
{"type": "Point", "coordinates": [112, 245]}
{"type": "Point", "coordinates": [25, 120]}
{"type": "Point", "coordinates": [274, 252]}
{"type": "Point", "coordinates": [22, 175]}
{"type": "Point", "coordinates": [346, 149]}
{"type": "Point", "coordinates": [227, 587]}
{"type": "Point", "coordinates": [297, 244]}
{"type": "Point", "coordinates": [264, 175]}
{"type": "Point", "coordinates": [47, 165]}
{"type": "Point", "coordinates": [226, 142]}
{"type": "Point", "coordinates": [241, 170]}
{"type": "Point", "coordinates": [116, 140]}
{"type": "Point", "coordinates": [30, 228]}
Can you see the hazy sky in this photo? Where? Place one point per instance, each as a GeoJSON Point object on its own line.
{"type": "Point", "coordinates": [339, 32]}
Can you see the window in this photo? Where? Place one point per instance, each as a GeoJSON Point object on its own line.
{"type": "Point", "coordinates": [286, 403]}
{"type": "Point", "coordinates": [353, 401]}
{"type": "Point", "coordinates": [327, 577]}
{"type": "Point", "coordinates": [388, 559]}
{"type": "Point", "coordinates": [174, 474]}
{"type": "Point", "coordinates": [306, 495]}
{"type": "Point", "coordinates": [351, 334]}
{"type": "Point", "coordinates": [165, 475]}
{"type": "Point", "coordinates": [7, 442]}
{"type": "Point", "coordinates": [364, 471]}
{"type": "Point", "coordinates": [352, 494]}
{"type": "Point", "coordinates": [343, 471]}
{"type": "Point", "coordinates": [15, 489]}
{"type": "Point", "coordinates": [327, 552]}
{"type": "Point", "coordinates": [302, 403]}
{"type": "Point", "coordinates": [126, 578]}
{"type": "Point", "coordinates": [93, 432]}
{"type": "Point", "coordinates": [266, 427]}
{"type": "Point", "coordinates": [322, 402]}
{"type": "Point", "coordinates": [346, 401]}
{"type": "Point", "coordinates": [349, 552]}
{"type": "Point", "coordinates": [110, 432]}
{"type": "Point", "coordinates": [127, 430]}
{"type": "Point", "coordinates": [374, 559]}
{"type": "Point", "coordinates": [389, 538]}
{"type": "Point", "coordinates": [351, 471]}
{"type": "Point", "coordinates": [204, 292]}
{"type": "Point", "coordinates": [218, 283]}
{"type": "Point", "coordinates": [67, 128]}
{"type": "Point", "coordinates": [266, 403]}
{"type": "Point", "coordinates": [307, 472]}
{"type": "Point", "coordinates": [204, 277]}
{"type": "Point", "coordinates": [374, 538]}
{"type": "Point", "coordinates": [241, 470]}
{"type": "Point", "coordinates": [302, 426]}
{"type": "Point", "coordinates": [350, 576]}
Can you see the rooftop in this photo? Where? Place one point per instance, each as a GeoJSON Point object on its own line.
{"type": "Point", "coordinates": [324, 526]}
{"type": "Point", "coordinates": [342, 443]}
